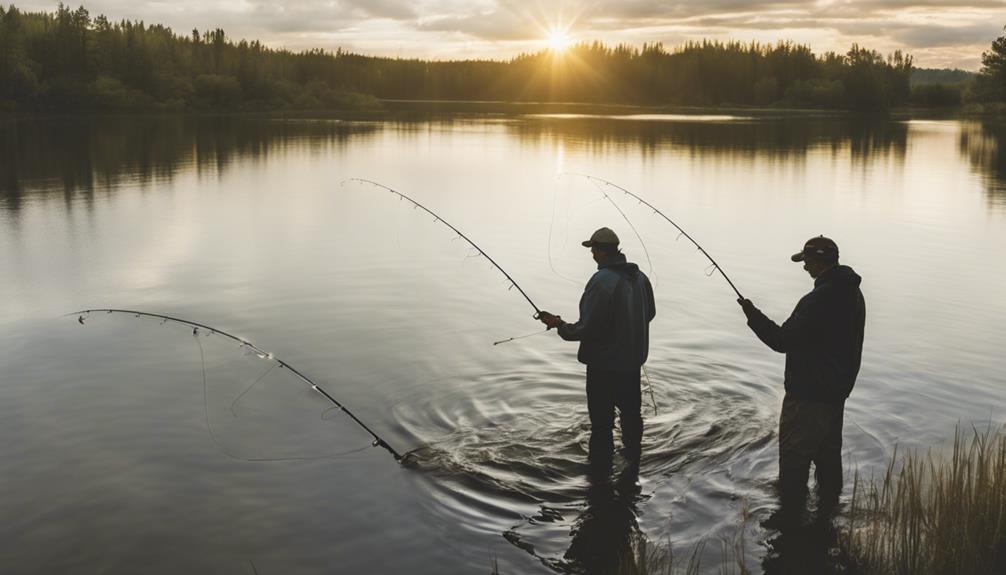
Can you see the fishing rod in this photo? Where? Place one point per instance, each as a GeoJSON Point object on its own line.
{"type": "Point", "coordinates": [646, 252]}
{"type": "Point", "coordinates": [669, 220]}
{"type": "Point", "coordinates": [625, 217]}
{"type": "Point", "coordinates": [437, 218]}
{"type": "Point", "coordinates": [378, 442]}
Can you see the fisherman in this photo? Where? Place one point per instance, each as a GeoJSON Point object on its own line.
{"type": "Point", "coordinates": [823, 343]}
{"type": "Point", "coordinates": [614, 334]}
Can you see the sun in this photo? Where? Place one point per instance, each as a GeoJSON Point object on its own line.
{"type": "Point", "coordinates": [558, 40]}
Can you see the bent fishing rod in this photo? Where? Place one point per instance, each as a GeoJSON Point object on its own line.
{"type": "Point", "coordinates": [378, 442]}
{"type": "Point", "coordinates": [437, 218]}
{"type": "Point", "coordinates": [669, 220]}
{"type": "Point", "coordinates": [625, 217]}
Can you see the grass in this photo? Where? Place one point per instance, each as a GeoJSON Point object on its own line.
{"type": "Point", "coordinates": [656, 559]}
{"type": "Point", "coordinates": [933, 514]}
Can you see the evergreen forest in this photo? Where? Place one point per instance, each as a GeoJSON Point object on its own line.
{"type": "Point", "coordinates": [67, 60]}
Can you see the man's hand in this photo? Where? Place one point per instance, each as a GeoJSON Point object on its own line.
{"type": "Point", "coordinates": [746, 305]}
{"type": "Point", "coordinates": [549, 320]}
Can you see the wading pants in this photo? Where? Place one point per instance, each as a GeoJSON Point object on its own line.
{"type": "Point", "coordinates": [607, 390]}
{"type": "Point", "coordinates": [810, 432]}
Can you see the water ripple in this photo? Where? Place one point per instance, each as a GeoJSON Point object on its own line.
{"type": "Point", "coordinates": [506, 452]}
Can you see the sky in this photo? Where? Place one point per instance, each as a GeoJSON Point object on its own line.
{"type": "Point", "coordinates": [938, 33]}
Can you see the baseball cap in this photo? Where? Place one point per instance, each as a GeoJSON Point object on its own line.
{"type": "Point", "coordinates": [816, 247]}
{"type": "Point", "coordinates": [601, 236]}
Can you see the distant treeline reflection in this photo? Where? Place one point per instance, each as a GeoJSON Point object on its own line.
{"type": "Point", "coordinates": [776, 138]}
{"type": "Point", "coordinates": [91, 155]}
{"type": "Point", "coordinates": [67, 60]}
{"type": "Point", "coordinates": [984, 144]}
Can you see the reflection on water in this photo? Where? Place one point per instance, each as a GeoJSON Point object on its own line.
{"type": "Point", "coordinates": [89, 155]}
{"type": "Point", "coordinates": [239, 222]}
{"type": "Point", "coordinates": [811, 548]}
{"type": "Point", "coordinates": [85, 156]}
{"type": "Point", "coordinates": [606, 536]}
{"type": "Point", "coordinates": [775, 138]}
{"type": "Point", "coordinates": [82, 157]}
{"type": "Point", "coordinates": [984, 145]}
{"type": "Point", "coordinates": [702, 118]}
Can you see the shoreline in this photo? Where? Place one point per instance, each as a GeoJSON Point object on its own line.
{"type": "Point", "coordinates": [392, 107]}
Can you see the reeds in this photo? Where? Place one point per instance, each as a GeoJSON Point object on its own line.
{"type": "Point", "coordinates": [931, 514]}
{"type": "Point", "coordinates": [647, 558]}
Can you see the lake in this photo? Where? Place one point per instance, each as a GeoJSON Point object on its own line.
{"type": "Point", "coordinates": [135, 445]}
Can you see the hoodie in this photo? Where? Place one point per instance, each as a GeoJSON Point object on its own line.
{"type": "Point", "coordinates": [615, 313]}
{"type": "Point", "coordinates": [822, 339]}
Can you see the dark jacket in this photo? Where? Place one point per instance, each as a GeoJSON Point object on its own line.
{"type": "Point", "coordinates": [615, 312]}
{"type": "Point", "coordinates": [822, 339]}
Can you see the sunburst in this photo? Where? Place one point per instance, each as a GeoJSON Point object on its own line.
{"type": "Point", "coordinates": [558, 40]}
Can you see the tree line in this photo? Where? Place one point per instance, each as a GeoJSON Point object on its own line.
{"type": "Point", "coordinates": [67, 60]}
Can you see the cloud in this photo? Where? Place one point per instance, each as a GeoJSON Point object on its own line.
{"type": "Point", "coordinates": [938, 36]}
{"type": "Point", "coordinates": [393, 9]}
{"type": "Point", "coordinates": [500, 28]}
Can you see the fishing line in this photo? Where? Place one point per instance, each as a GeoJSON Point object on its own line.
{"type": "Point", "coordinates": [209, 427]}
{"type": "Point", "coordinates": [437, 219]}
{"type": "Point", "coordinates": [196, 327]}
{"type": "Point", "coordinates": [548, 248]}
{"type": "Point", "coordinates": [265, 372]}
{"type": "Point", "coordinates": [519, 337]}
{"type": "Point", "coordinates": [606, 196]}
{"type": "Point", "coordinates": [670, 221]}
{"type": "Point", "coordinates": [649, 386]}
{"type": "Point", "coordinates": [646, 252]}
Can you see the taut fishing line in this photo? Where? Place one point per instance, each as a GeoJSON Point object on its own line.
{"type": "Point", "coordinates": [277, 422]}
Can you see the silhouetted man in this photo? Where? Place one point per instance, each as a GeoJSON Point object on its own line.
{"type": "Point", "coordinates": [614, 334]}
{"type": "Point", "coordinates": [823, 343]}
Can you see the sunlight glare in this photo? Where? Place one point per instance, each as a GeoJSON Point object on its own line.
{"type": "Point", "coordinates": [558, 40]}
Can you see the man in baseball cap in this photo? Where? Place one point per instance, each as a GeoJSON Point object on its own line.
{"type": "Point", "coordinates": [601, 237]}
{"type": "Point", "coordinates": [614, 334]}
{"type": "Point", "coordinates": [819, 247]}
{"type": "Point", "coordinates": [823, 343]}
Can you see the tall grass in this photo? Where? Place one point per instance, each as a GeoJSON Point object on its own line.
{"type": "Point", "coordinates": [931, 514]}
{"type": "Point", "coordinates": [659, 559]}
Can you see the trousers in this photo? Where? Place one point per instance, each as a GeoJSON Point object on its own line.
{"type": "Point", "coordinates": [606, 390]}
{"type": "Point", "coordinates": [810, 432]}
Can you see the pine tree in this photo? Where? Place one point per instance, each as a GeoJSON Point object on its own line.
{"type": "Point", "coordinates": [991, 82]}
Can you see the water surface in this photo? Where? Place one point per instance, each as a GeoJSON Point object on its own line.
{"type": "Point", "coordinates": [132, 446]}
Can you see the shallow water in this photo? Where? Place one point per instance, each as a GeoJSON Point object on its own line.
{"type": "Point", "coordinates": [135, 446]}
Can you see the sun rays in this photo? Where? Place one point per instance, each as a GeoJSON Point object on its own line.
{"type": "Point", "coordinates": [558, 39]}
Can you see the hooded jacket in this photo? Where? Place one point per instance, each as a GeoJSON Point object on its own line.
{"type": "Point", "coordinates": [822, 339]}
{"type": "Point", "coordinates": [615, 313]}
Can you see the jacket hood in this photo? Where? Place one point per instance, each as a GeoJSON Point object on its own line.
{"type": "Point", "coordinates": [620, 266]}
{"type": "Point", "coordinates": [840, 275]}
